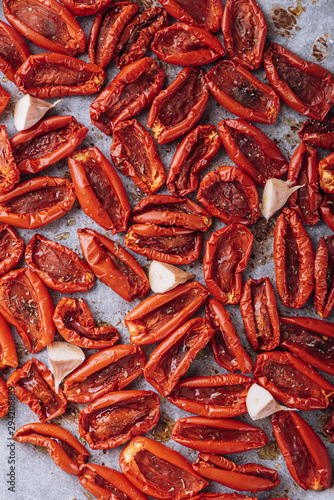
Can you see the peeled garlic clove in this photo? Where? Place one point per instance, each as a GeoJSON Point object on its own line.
{"type": "Point", "coordinates": [261, 404]}
{"type": "Point", "coordinates": [275, 195]}
{"type": "Point", "coordinates": [29, 110]}
{"type": "Point", "coordinates": [64, 358]}
{"type": "Point", "coordinates": [165, 277]}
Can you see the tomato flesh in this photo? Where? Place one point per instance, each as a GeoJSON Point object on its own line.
{"type": "Point", "coordinates": [244, 28]}
{"type": "Point", "coordinates": [176, 41]}
{"type": "Point", "coordinates": [181, 244]}
{"type": "Point", "coordinates": [200, 10]}
{"type": "Point", "coordinates": [264, 330]}
{"type": "Point", "coordinates": [51, 74]}
{"type": "Point", "coordinates": [292, 263]}
{"type": "Point", "coordinates": [95, 478]}
{"type": "Point", "coordinates": [37, 201]}
{"type": "Point", "coordinates": [179, 351]}
{"type": "Point", "coordinates": [6, 244]}
{"type": "Point", "coordinates": [230, 197]}
{"type": "Point", "coordinates": [9, 52]}
{"type": "Point", "coordinates": [225, 395]}
{"type": "Point", "coordinates": [208, 433]}
{"type": "Point", "coordinates": [109, 18]}
{"type": "Point", "coordinates": [252, 151]}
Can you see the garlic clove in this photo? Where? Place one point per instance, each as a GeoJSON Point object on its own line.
{"type": "Point", "coordinates": [29, 110]}
{"type": "Point", "coordinates": [261, 404]}
{"type": "Point", "coordinates": [165, 277]}
{"type": "Point", "coordinates": [64, 358]}
{"type": "Point", "coordinates": [275, 195]}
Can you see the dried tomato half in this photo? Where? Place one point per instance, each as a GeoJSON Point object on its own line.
{"type": "Point", "coordinates": [8, 356]}
{"type": "Point", "coordinates": [47, 142]}
{"type": "Point", "coordinates": [304, 86]}
{"type": "Point", "coordinates": [159, 471]}
{"type": "Point", "coordinates": [230, 195]}
{"type": "Point", "coordinates": [326, 174]}
{"type": "Point", "coordinates": [247, 477]}
{"type": "Point", "coordinates": [107, 29]}
{"type": "Point", "coordinates": [158, 316]}
{"type": "Point", "coordinates": [11, 249]}
{"type": "Point", "coordinates": [4, 405]}
{"type": "Point", "coordinates": [84, 7]}
{"type": "Point", "coordinates": [75, 323]}
{"type": "Point", "coordinates": [220, 396]}
{"type": "Point", "coordinates": [324, 277]}
{"type": "Point", "coordinates": [178, 108]}
{"type": "Point", "coordinates": [35, 386]}
{"type": "Point", "coordinates": [226, 256]}
{"type": "Point", "coordinates": [172, 358]}
{"type": "Point", "coordinates": [109, 370]}
{"type": "Point", "coordinates": [225, 344]}
{"type": "Point", "coordinates": [259, 314]}
{"type": "Point", "coordinates": [213, 435]}
{"type": "Point", "coordinates": [318, 133]}
{"type": "Point", "coordinates": [171, 210]}
{"type": "Point", "coordinates": [204, 13]}
{"type": "Point", "coordinates": [117, 417]}
{"type": "Point", "coordinates": [55, 75]}
{"type": "Point", "coordinates": [134, 153]}
{"type": "Point", "coordinates": [192, 155]}
{"type": "Point", "coordinates": [47, 23]}
{"type": "Point", "coordinates": [37, 202]}
{"type": "Point", "coordinates": [312, 340]}
{"type": "Point", "coordinates": [305, 454]}
{"type": "Point", "coordinates": [64, 449]}
{"type": "Point", "coordinates": [184, 45]}
{"type": "Point", "coordinates": [174, 245]}
{"type": "Point", "coordinates": [245, 29]}
{"type": "Point", "coordinates": [4, 99]}
{"type": "Point", "coordinates": [9, 173]}
{"type": "Point", "coordinates": [132, 90]}
{"type": "Point", "coordinates": [26, 304]}
{"type": "Point", "coordinates": [13, 51]}
{"type": "Point", "coordinates": [238, 91]}
{"type": "Point", "coordinates": [113, 265]}
{"type": "Point", "coordinates": [294, 260]}
{"type": "Point", "coordinates": [100, 191]}
{"type": "Point", "coordinates": [138, 34]}
{"type": "Point", "coordinates": [292, 381]}
{"type": "Point", "coordinates": [327, 210]}
{"type": "Point", "coordinates": [252, 151]}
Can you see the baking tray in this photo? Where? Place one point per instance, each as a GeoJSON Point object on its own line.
{"type": "Point", "coordinates": [304, 27]}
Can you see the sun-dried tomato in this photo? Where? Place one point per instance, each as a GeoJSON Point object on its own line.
{"type": "Point", "coordinates": [326, 173]}
{"type": "Point", "coordinates": [324, 277]}
{"type": "Point", "coordinates": [9, 173]}
{"type": "Point", "coordinates": [13, 51]}
{"type": "Point", "coordinates": [204, 13]}
{"type": "Point", "coordinates": [85, 7]}
{"type": "Point", "coordinates": [8, 356]}
{"type": "Point", "coordinates": [318, 133]}
{"type": "Point", "coordinates": [11, 249]}
{"type": "Point", "coordinates": [4, 99]}
{"type": "Point", "coordinates": [327, 210]}
{"type": "Point", "coordinates": [4, 405]}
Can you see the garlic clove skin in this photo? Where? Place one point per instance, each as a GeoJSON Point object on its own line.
{"type": "Point", "coordinates": [275, 194]}
{"type": "Point", "coordinates": [64, 358]}
{"type": "Point", "coordinates": [165, 277]}
{"type": "Point", "coordinates": [261, 404]}
{"type": "Point", "coordinates": [29, 110]}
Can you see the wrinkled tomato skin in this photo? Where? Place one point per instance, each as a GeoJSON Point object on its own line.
{"type": "Point", "coordinates": [4, 405]}
{"type": "Point", "coordinates": [9, 173]}
{"type": "Point", "coordinates": [134, 153]}
{"type": "Point", "coordinates": [57, 442]}
{"type": "Point", "coordinates": [285, 376]}
{"type": "Point", "coordinates": [34, 385]}
{"type": "Point", "coordinates": [318, 133]}
{"type": "Point", "coordinates": [203, 434]}
{"type": "Point", "coordinates": [84, 8]}
{"type": "Point", "coordinates": [109, 370]}
{"type": "Point", "coordinates": [48, 24]}
{"type": "Point", "coordinates": [294, 260]}
{"type": "Point", "coordinates": [47, 142]}
{"type": "Point", "coordinates": [171, 359]}
{"type": "Point", "coordinates": [230, 195]}
{"type": "Point", "coordinates": [117, 417]}
{"type": "Point", "coordinates": [252, 151]}
{"type": "Point", "coordinates": [175, 478]}
{"type": "Point", "coordinates": [8, 356]}
{"type": "Point", "coordinates": [259, 314]}
{"type": "Point", "coordinates": [225, 344]}
{"type": "Point", "coordinates": [132, 90]}
{"type": "Point", "coordinates": [38, 310]}
{"type": "Point", "coordinates": [178, 108]}
{"type": "Point", "coordinates": [4, 99]}
{"type": "Point", "coordinates": [327, 210]}
{"type": "Point", "coordinates": [99, 189]}
{"type": "Point", "coordinates": [183, 45]}
{"type": "Point", "coordinates": [303, 171]}
{"type": "Point", "coordinates": [225, 282]}
{"type": "Point", "coordinates": [312, 340]}
{"type": "Point", "coordinates": [206, 14]}
{"type": "Point", "coordinates": [326, 174]}
{"type": "Point", "coordinates": [113, 265]}
{"type": "Point", "coordinates": [238, 91]}
{"type": "Point", "coordinates": [303, 451]}
{"type": "Point", "coordinates": [324, 277]}
{"type": "Point", "coordinates": [106, 31]}
{"type": "Point", "coordinates": [314, 84]}
{"type": "Point", "coordinates": [158, 316]}
{"type": "Point", "coordinates": [20, 208]}
{"type": "Point", "coordinates": [11, 249]}
{"type": "Point", "coordinates": [100, 481]}
{"type": "Point", "coordinates": [13, 51]}
{"type": "Point", "coordinates": [245, 29]}
{"type": "Point", "coordinates": [51, 75]}
{"type": "Point", "coordinates": [192, 155]}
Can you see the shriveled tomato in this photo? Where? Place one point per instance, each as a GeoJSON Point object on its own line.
{"type": "Point", "coordinates": [8, 356]}
{"type": "Point", "coordinates": [326, 174]}
{"type": "Point", "coordinates": [324, 277]}
{"type": "Point", "coordinates": [4, 99]}
{"type": "Point", "coordinates": [204, 13]}
{"type": "Point", "coordinates": [11, 249]}
{"type": "Point", "coordinates": [4, 405]}
{"type": "Point", "coordinates": [318, 133]}
{"type": "Point", "coordinates": [327, 210]}
{"type": "Point", "coordinates": [13, 51]}
{"type": "Point", "coordinates": [9, 173]}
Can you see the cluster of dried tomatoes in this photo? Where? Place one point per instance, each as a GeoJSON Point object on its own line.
{"type": "Point", "coordinates": [167, 228]}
